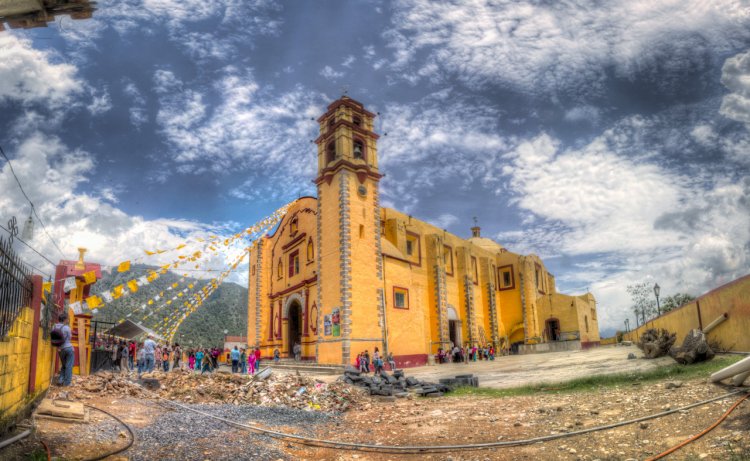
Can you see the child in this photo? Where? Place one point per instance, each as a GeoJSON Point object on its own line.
{"type": "Point", "coordinates": [198, 360]}
{"type": "Point", "coordinates": [191, 360]}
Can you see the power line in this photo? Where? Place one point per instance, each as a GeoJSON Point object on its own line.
{"type": "Point", "coordinates": [33, 208]}
{"type": "Point", "coordinates": [30, 247]}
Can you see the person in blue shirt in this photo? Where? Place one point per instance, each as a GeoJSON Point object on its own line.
{"type": "Point", "coordinates": [198, 360]}
{"type": "Point", "coordinates": [64, 350]}
{"type": "Point", "coordinates": [235, 356]}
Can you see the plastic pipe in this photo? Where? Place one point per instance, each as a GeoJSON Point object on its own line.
{"type": "Point", "coordinates": [740, 378]}
{"type": "Point", "coordinates": [734, 369]}
{"type": "Point", "coordinates": [16, 438]}
{"type": "Point", "coordinates": [716, 322]}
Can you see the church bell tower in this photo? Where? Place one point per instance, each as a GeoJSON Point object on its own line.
{"type": "Point", "coordinates": [350, 273]}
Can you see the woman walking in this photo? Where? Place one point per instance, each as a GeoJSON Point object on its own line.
{"type": "Point", "coordinates": [251, 361]}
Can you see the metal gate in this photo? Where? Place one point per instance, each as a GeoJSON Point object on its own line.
{"type": "Point", "coordinates": [15, 286]}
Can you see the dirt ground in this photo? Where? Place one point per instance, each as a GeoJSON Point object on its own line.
{"type": "Point", "coordinates": [447, 420]}
{"type": "Point", "coordinates": [167, 433]}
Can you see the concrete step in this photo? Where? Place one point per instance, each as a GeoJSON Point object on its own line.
{"type": "Point", "coordinates": [306, 367]}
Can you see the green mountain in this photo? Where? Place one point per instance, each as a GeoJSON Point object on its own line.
{"type": "Point", "coordinates": [225, 309]}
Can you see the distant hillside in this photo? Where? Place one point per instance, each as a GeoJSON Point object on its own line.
{"type": "Point", "coordinates": [226, 308]}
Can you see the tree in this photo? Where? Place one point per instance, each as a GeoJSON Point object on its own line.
{"type": "Point", "coordinates": [675, 301]}
{"type": "Point", "coordinates": [643, 301]}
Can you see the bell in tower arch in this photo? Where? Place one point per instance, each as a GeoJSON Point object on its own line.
{"type": "Point", "coordinates": [359, 149]}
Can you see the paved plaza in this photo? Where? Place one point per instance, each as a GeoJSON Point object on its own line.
{"type": "Point", "coordinates": [548, 368]}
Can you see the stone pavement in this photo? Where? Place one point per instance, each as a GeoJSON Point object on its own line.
{"type": "Point", "coordinates": [548, 368]}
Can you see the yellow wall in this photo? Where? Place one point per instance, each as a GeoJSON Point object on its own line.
{"type": "Point", "coordinates": [15, 355]}
{"type": "Point", "coordinates": [732, 299]}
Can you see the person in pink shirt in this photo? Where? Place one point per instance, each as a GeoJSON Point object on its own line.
{"type": "Point", "coordinates": [251, 363]}
{"type": "Point", "coordinates": [191, 360]}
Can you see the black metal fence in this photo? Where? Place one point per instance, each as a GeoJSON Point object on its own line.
{"type": "Point", "coordinates": [15, 286]}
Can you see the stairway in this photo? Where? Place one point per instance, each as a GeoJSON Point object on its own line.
{"type": "Point", "coordinates": [303, 366]}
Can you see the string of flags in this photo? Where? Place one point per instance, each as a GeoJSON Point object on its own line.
{"type": "Point", "coordinates": [190, 300]}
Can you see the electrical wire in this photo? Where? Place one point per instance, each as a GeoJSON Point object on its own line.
{"type": "Point", "coordinates": [413, 449]}
{"type": "Point", "coordinates": [119, 450]}
{"type": "Point", "coordinates": [30, 247]}
{"type": "Point", "coordinates": [33, 208]}
{"type": "Point", "coordinates": [701, 433]}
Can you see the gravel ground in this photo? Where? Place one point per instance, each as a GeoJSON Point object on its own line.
{"type": "Point", "coordinates": [183, 435]}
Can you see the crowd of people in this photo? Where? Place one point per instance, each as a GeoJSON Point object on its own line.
{"type": "Point", "coordinates": [376, 363]}
{"type": "Point", "coordinates": [466, 353]}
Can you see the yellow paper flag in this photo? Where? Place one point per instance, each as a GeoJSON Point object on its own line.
{"type": "Point", "coordinates": [133, 286]}
{"type": "Point", "coordinates": [117, 291]}
{"type": "Point", "coordinates": [93, 302]}
{"type": "Point", "coordinates": [89, 277]}
{"type": "Point", "coordinates": [124, 266]}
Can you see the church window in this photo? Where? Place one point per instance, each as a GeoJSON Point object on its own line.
{"type": "Point", "coordinates": [280, 269]}
{"type": "Point", "coordinates": [293, 226]}
{"type": "Point", "coordinates": [294, 264]}
{"type": "Point", "coordinates": [505, 279]}
{"type": "Point", "coordinates": [586, 321]}
{"type": "Point", "coordinates": [448, 258]}
{"type": "Point", "coordinates": [331, 152]}
{"type": "Point", "coordinates": [331, 122]}
{"type": "Point", "coordinates": [413, 248]}
{"type": "Point", "coordinates": [400, 298]}
{"type": "Point", "coordinates": [474, 270]}
{"type": "Point", "coordinates": [359, 149]}
{"type": "Point", "coordinates": [310, 250]}
{"type": "Point", "coordinates": [252, 271]}
{"type": "Point", "coordinates": [361, 231]}
{"type": "Point", "coordinates": [357, 121]}
{"type": "Point", "coordinates": [538, 278]}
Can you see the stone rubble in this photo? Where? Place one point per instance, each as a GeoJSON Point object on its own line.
{"type": "Point", "coordinates": [292, 391]}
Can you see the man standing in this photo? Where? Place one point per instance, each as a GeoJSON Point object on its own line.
{"type": "Point", "coordinates": [131, 354]}
{"type": "Point", "coordinates": [60, 337]}
{"type": "Point", "coordinates": [176, 356]}
{"type": "Point", "coordinates": [235, 356]}
{"type": "Point", "coordinates": [149, 348]}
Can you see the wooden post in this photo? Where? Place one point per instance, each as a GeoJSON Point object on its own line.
{"type": "Point", "coordinates": [83, 368]}
{"type": "Point", "coordinates": [36, 307]}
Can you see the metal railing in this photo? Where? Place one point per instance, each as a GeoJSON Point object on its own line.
{"type": "Point", "coordinates": [15, 286]}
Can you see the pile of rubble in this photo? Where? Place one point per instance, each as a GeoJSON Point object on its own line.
{"type": "Point", "coordinates": [395, 385]}
{"type": "Point", "coordinates": [292, 391]}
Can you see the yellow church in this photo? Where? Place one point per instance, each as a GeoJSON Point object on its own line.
{"type": "Point", "coordinates": [341, 274]}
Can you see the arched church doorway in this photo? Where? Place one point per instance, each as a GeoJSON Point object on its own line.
{"type": "Point", "coordinates": [454, 327]}
{"type": "Point", "coordinates": [294, 325]}
{"type": "Point", "coordinates": [553, 329]}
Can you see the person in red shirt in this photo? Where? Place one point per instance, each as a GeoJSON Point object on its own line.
{"type": "Point", "coordinates": [131, 354]}
{"type": "Point", "coordinates": [257, 358]}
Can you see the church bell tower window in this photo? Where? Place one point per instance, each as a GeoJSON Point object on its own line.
{"type": "Point", "coordinates": [331, 152]}
{"type": "Point", "coordinates": [359, 149]}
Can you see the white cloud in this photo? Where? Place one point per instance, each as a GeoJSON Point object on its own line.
{"type": "Point", "coordinates": [585, 113]}
{"type": "Point", "coordinates": [100, 103]}
{"type": "Point", "coordinates": [735, 75]}
{"type": "Point", "coordinates": [562, 46]}
{"type": "Point", "coordinates": [444, 221]}
{"type": "Point", "coordinates": [439, 139]}
{"type": "Point", "coordinates": [330, 74]}
{"type": "Point", "coordinates": [51, 175]}
{"type": "Point", "coordinates": [29, 76]}
{"type": "Point", "coordinates": [610, 203]}
{"type": "Point", "coordinates": [246, 130]}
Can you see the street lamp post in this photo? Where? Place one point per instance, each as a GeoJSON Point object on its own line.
{"type": "Point", "coordinates": [627, 325]}
{"type": "Point", "coordinates": [657, 290]}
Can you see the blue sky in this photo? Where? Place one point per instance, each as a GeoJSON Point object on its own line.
{"type": "Point", "coordinates": [613, 140]}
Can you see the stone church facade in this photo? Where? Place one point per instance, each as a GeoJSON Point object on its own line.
{"type": "Point", "coordinates": [341, 274]}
